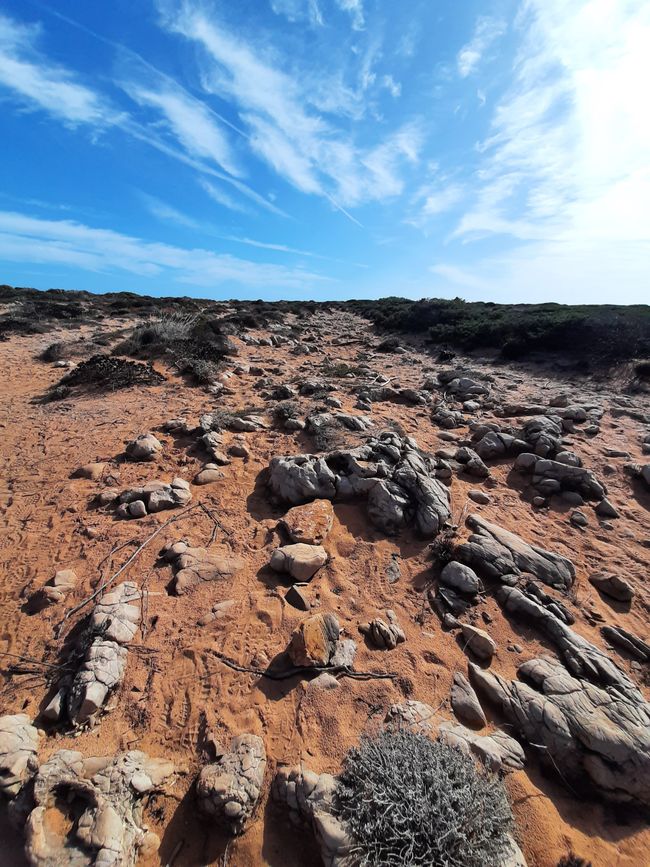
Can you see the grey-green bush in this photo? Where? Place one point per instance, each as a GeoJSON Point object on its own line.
{"type": "Point", "coordinates": [409, 801]}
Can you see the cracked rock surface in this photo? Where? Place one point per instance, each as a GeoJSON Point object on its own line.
{"type": "Point", "coordinates": [228, 790]}
{"type": "Point", "coordinates": [109, 831]}
{"type": "Point", "coordinates": [18, 752]}
{"type": "Point", "coordinates": [195, 565]}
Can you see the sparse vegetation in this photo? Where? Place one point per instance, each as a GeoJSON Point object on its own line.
{"type": "Point", "coordinates": [285, 410]}
{"type": "Point", "coordinates": [408, 800]}
{"type": "Point", "coordinates": [104, 372]}
{"type": "Point", "coordinates": [572, 860]}
{"type": "Point", "coordinates": [443, 548]}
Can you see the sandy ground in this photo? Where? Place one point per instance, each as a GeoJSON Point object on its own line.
{"type": "Point", "coordinates": [177, 695]}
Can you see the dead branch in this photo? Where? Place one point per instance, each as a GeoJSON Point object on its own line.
{"type": "Point", "coordinates": [115, 575]}
{"type": "Point", "coordinates": [340, 670]}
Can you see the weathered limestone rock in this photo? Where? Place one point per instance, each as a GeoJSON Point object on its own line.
{"type": "Point", "coordinates": [398, 481]}
{"type": "Point", "coordinates": [117, 614]}
{"type": "Point", "coordinates": [544, 435]}
{"type": "Point", "coordinates": [209, 474]}
{"type": "Point", "coordinates": [478, 641]}
{"type": "Point", "coordinates": [58, 588]}
{"type": "Point", "coordinates": [598, 737]}
{"type": "Point", "coordinates": [384, 635]}
{"type": "Point", "coordinates": [194, 565]}
{"type": "Point", "coordinates": [143, 448]}
{"type": "Point", "coordinates": [18, 752]}
{"type": "Point", "coordinates": [154, 497]}
{"type": "Point", "coordinates": [465, 703]}
{"type": "Point", "coordinates": [314, 642]}
{"type": "Point", "coordinates": [300, 561]}
{"type": "Point", "coordinates": [101, 672]}
{"type": "Point", "coordinates": [552, 476]}
{"type": "Point", "coordinates": [310, 523]}
{"type": "Point", "coordinates": [498, 751]}
{"type": "Point", "coordinates": [109, 831]}
{"type": "Point", "coordinates": [612, 585]}
{"type": "Point", "coordinates": [229, 789]}
{"type": "Point", "coordinates": [309, 797]}
{"type": "Point", "coordinates": [627, 641]}
{"type": "Point", "coordinates": [471, 463]}
{"type": "Point", "coordinates": [495, 553]}
{"type": "Point", "coordinates": [461, 578]}
{"type": "Point", "coordinates": [581, 658]}
{"type": "Point", "coordinates": [114, 621]}
{"type": "Point", "coordinates": [497, 444]}
{"type": "Point", "coordinates": [415, 716]}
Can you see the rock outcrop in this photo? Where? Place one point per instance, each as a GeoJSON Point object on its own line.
{"type": "Point", "coordinates": [19, 741]}
{"type": "Point", "coordinates": [596, 738]}
{"type": "Point", "coordinates": [228, 790]}
{"type": "Point", "coordinates": [300, 561]}
{"type": "Point", "coordinates": [109, 830]}
{"type": "Point", "coordinates": [398, 481]}
{"type": "Point", "coordinates": [114, 622]}
{"type": "Point", "coordinates": [153, 497]}
{"type": "Point", "coordinates": [309, 798]}
{"type": "Point", "coordinates": [194, 565]}
{"type": "Point", "coordinates": [495, 553]}
{"type": "Point", "coordinates": [551, 477]}
{"type": "Point", "coordinates": [384, 634]}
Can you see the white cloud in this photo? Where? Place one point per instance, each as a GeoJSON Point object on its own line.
{"type": "Point", "coordinates": [285, 130]}
{"type": "Point", "coordinates": [222, 198]}
{"type": "Point", "coordinates": [584, 272]}
{"type": "Point", "coordinates": [392, 86]}
{"type": "Point", "coordinates": [299, 10]}
{"type": "Point", "coordinates": [191, 122]}
{"type": "Point", "coordinates": [486, 32]}
{"type": "Point", "coordinates": [36, 82]}
{"type": "Point", "coordinates": [355, 8]}
{"type": "Point", "coordinates": [65, 242]}
{"type": "Point", "coordinates": [568, 158]}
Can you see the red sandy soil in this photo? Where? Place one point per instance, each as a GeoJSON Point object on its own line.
{"type": "Point", "coordinates": [177, 695]}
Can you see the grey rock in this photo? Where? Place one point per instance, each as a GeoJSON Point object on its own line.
{"type": "Point", "coordinates": [480, 497]}
{"type": "Point", "coordinates": [628, 641]}
{"type": "Point", "coordinates": [143, 448]}
{"type": "Point", "coordinates": [19, 742]}
{"type": "Point", "coordinates": [494, 552]}
{"type": "Point", "coordinates": [109, 831]}
{"type": "Point", "coordinates": [465, 703]}
{"type": "Point", "coordinates": [299, 560]}
{"type": "Point", "coordinates": [384, 635]}
{"type": "Point", "coordinates": [461, 578]}
{"type": "Point", "coordinates": [310, 800]}
{"type": "Point", "coordinates": [605, 509]}
{"type": "Point", "coordinates": [599, 738]}
{"type": "Point", "coordinates": [498, 751]}
{"type": "Point", "coordinates": [192, 566]}
{"type": "Point", "coordinates": [612, 585]}
{"type": "Point", "coordinates": [398, 481]}
{"type": "Point", "coordinates": [478, 641]}
{"type": "Point", "coordinates": [228, 790]}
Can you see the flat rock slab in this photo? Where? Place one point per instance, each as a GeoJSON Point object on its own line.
{"type": "Point", "coordinates": [314, 642]}
{"type": "Point", "coordinates": [310, 523]}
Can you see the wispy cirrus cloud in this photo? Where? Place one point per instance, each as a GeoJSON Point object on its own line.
{"type": "Point", "coordinates": [355, 9]}
{"type": "Point", "coordinates": [285, 128]}
{"type": "Point", "coordinates": [34, 81]}
{"type": "Point", "coordinates": [299, 10]}
{"type": "Point", "coordinates": [68, 243]}
{"type": "Point", "coordinates": [486, 31]}
{"type": "Point", "coordinates": [191, 122]}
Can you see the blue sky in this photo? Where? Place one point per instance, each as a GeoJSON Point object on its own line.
{"type": "Point", "coordinates": [327, 148]}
